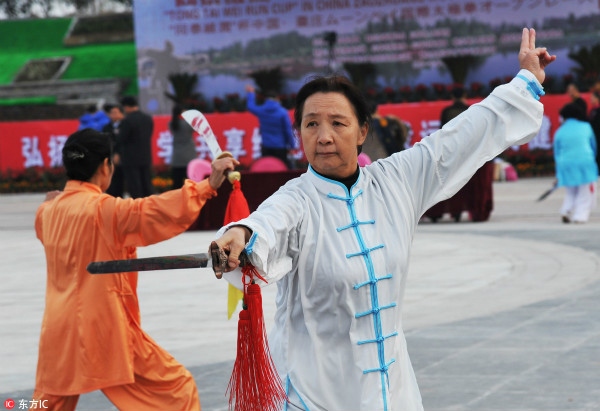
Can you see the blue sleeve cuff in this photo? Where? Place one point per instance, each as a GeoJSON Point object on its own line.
{"type": "Point", "coordinates": [250, 246]}
{"type": "Point", "coordinates": [530, 82]}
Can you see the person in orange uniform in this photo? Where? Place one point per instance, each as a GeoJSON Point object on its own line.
{"type": "Point", "coordinates": [91, 337]}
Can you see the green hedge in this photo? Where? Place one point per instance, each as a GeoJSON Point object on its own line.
{"type": "Point", "coordinates": [33, 35]}
{"type": "Point", "coordinates": [27, 100]}
{"type": "Point", "coordinates": [43, 179]}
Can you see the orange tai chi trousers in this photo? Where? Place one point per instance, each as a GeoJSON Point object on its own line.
{"type": "Point", "coordinates": [161, 383]}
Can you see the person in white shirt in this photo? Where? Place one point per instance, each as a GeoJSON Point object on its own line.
{"type": "Point", "coordinates": [337, 239]}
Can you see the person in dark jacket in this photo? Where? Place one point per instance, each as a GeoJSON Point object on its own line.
{"type": "Point", "coordinates": [388, 135]}
{"type": "Point", "coordinates": [184, 147]}
{"type": "Point", "coordinates": [458, 106]}
{"type": "Point", "coordinates": [576, 98]}
{"type": "Point", "coordinates": [135, 143]}
{"type": "Point", "coordinates": [594, 119]}
{"type": "Point", "coordinates": [275, 125]}
{"type": "Point", "coordinates": [115, 113]}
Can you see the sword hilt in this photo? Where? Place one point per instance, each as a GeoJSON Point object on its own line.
{"type": "Point", "coordinates": [231, 175]}
{"type": "Point", "coordinates": [220, 258]}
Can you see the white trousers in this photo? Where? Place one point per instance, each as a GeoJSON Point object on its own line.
{"type": "Point", "coordinates": [579, 202]}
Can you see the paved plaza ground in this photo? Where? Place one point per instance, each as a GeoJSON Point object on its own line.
{"type": "Point", "coordinates": [500, 315]}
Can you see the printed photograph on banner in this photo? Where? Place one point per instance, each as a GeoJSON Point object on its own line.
{"type": "Point", "coordinates": [384, 44]}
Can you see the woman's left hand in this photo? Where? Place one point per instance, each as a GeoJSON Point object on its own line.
{"type": "Point", "coordinates": [232, 243]}
{"type": "Point", "coordinates": [219, 167]}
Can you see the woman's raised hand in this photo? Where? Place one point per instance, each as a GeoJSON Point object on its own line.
{"type": "Point", "coordinates": [532, 58]}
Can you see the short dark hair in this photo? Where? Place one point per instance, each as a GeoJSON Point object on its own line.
{"type": "Point", "coordinates": [84, 151]}
{"type": "Point", "coordinates": [572, 110]}
{"type": "Point", "coordinates": [458, 92]}
{"type": "Point", "coordinates": [372, 106]}
{"type": "Point", "coordinates": [129, 101]}
{"type": "Point", "coordinates": [270, 93]}
{"type": "Point", "coordinates": [333, 84]}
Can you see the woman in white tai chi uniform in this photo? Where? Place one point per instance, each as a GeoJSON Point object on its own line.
{"type": "Point", "coordinates": [337, 239]}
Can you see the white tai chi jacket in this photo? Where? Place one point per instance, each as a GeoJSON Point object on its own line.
{"type": "Point", "coordinates": [340, 257]}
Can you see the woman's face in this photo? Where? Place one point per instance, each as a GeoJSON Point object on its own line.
{"type": "Point", "coordinates": [330, 133]}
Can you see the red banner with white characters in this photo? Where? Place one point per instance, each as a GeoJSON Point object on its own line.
{"type": "Point", "coordinates": [39, 143]}
{"type": "Point", "coordinates": [424, 118]}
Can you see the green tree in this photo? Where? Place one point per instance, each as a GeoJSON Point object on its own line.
{"type": "Point", "coordinates": [459, 66]}
{"type": "Point", "coordinates": [27, 8]}
{"type": "Point", "coordinates": [10, 8]}
{"type": "Point", "coordinates": [268, 80]}
{"type": "Point", "coordinates": [588, 60]}
{"type": "Point", "coordinates": [183, 85]}
{"type": "Point", "coordinates": [361, 74]}
{"type": "Point", "coordinates": [24, 8]}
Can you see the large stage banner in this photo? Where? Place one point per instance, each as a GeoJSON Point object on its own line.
{"type": "Point", "coordinates": [222, 41]}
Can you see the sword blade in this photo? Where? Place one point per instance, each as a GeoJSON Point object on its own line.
{"type": "Point", "coordinates": [200, 124]}
{"type": "Point", "coordinates": [172, 262]}
{"type": "Point", "coordinates": [548, 192]}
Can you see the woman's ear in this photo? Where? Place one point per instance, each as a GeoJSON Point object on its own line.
{"type": "Point", "coordinates": [103, 174]}
{"type": "Point", "coordinates": [106, 167]}
{"type": "Point", "coordinates": [364, 131]}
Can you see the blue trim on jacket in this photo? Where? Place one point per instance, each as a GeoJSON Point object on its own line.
{"type": "Point", "coordinates": [365, 252]}
{"type": "Point", "coordinates": [287, 394]}
{"type": "Point", "coordinates": [250, 246]}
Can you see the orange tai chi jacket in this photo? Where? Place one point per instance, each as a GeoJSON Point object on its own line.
{"type": "Point", "coordinates": [86, 342]}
